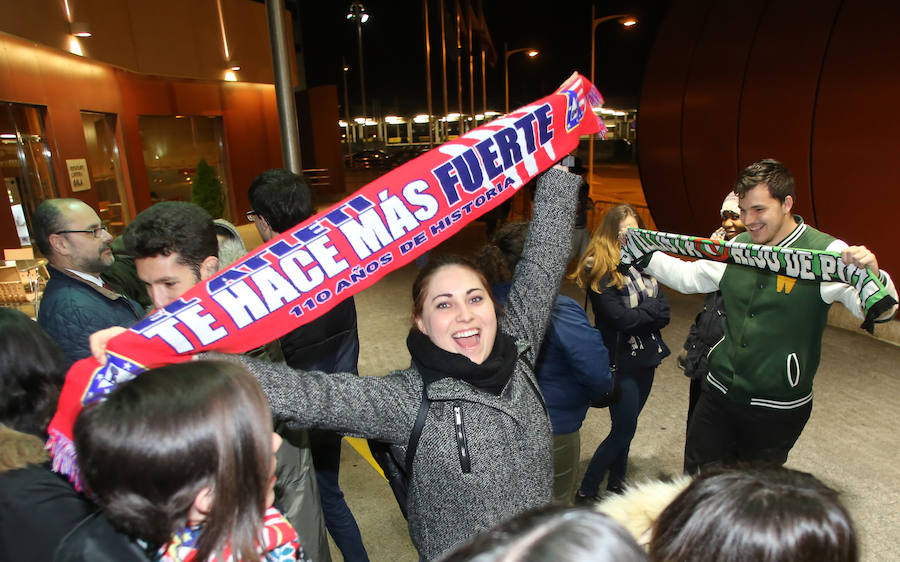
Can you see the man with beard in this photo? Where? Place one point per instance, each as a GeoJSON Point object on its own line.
{"type": "Point", "coordinates": [76, 302]}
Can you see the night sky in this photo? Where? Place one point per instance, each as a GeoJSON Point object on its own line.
{"type": "Point", "coordinates": [394, 51]}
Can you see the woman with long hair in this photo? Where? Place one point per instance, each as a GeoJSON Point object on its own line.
{"type": "Point", "coordinates": [485, 449]}
{"type": "Point", "coordinates": [629, 310]}
{"type": "Point", "coordinates": [182, 459]}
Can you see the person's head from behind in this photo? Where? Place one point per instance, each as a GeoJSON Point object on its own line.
{"type": "Point", "coordinates": [279, 201]}
{"type": "Point", "coordinates": [175, 247]}
{"type": "Point", "coordinates": [602, 257]}
{"type": "Point", "coordinates": [766, 193]}
{"type": "Point", "coordinates": [730, 213]}
{"type": "Point", "coordinates": [550, 534]}
{"type": "Point", "coordinates": [70, 235]}
{"type": "Point", "coordinates": [764, 514]}
{"type": "Point", "coordinates": [498, 259]}
{"type": "Point", "coordinates": [453, 306]}
{"type": "Point", "coordinates": [182, 445]}
{"type": "Point", "coordinates": [32, 370]}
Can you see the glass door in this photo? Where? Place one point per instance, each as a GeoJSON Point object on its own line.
{"type": "Point", "coordinates": [106, 169]}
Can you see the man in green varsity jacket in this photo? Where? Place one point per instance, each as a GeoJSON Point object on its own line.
{"type": "Point", "coordinates": [757, 396]}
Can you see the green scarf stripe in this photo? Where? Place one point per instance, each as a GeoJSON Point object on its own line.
{"type": "Point", "coordinates": [812, 265]}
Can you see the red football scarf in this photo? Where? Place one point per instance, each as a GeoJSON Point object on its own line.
{"type": "Point", "coordinates": [306, 271]}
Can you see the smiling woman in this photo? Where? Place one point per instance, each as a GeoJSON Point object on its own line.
{"type": "Point", "coordinates": [485, 450]}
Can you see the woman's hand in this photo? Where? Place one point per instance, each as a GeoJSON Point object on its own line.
{"type": "Point", "coordinates": [98, 341]}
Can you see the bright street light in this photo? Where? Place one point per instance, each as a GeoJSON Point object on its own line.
{"type": "Point", "coordinates": [358, 14]}
{"type": "Point", "coordinates": [627, 20]}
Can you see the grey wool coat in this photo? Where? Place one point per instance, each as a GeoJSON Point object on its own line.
{"type": "Point", "coordinates": [509, 436]}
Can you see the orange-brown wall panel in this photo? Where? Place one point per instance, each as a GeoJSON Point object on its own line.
{"type": "Point", "coordinates": [711, 105]}
{"type": "Point", "coordinates": [854, 146]}
{"type": "Point", "coordinates": [812, 84]}
{"type": "Point", "coordinates": [779, 95]}
{"type": "Point", "coordinates": [197, 98]}
{"type": "Point", "coordinates": [659, 117]}
{"type": "Point", "coordinates": [246, 139]}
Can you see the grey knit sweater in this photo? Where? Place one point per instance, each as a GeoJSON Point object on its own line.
{"type": "Point", "coordinates": [509, 436]}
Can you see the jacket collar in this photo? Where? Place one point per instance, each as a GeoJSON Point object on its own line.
{"type": "Point", "coordinates": [68, 276]}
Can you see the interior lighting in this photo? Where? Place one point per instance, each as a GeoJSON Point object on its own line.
{"type": "Point", "coordinates": [452, 116]}
{"type": "Point", "coordinates": [230, 76]}
{"type": "Point", "coordinates": [421, 118]}
{"type": "Point", "coordinates": [75, 46]}
{"type": "Point", "coordinates": [232, 65]}
{"type": "Point", "coordinates": [360, 120]}
{"type": "Point", "coordinates": [7, 135]}
{"type": "Point", "coordinates": [80, 29]}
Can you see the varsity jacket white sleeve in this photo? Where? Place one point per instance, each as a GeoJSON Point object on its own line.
{"type": "Point", "coordinates": [701, 276]}
{"type": "Point", "coordinates": [847, 295]}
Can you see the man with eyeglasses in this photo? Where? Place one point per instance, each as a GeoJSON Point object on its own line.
{"type": "Point", "coordinates": [76, 302]}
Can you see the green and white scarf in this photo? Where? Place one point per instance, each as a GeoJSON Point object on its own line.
{"type": "Point", "coordinates": [812, 265]}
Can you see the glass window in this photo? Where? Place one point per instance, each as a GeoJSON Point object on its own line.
{"type": "Point", "coordinates": [105, 168]}
{"type": "Point", "coordinates": [24, 163]}
{"type": "Point", "coordinates": [185, 158]}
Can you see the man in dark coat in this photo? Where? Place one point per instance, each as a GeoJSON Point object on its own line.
{"type": "Point", "coordinates": [76, 302]}
{"type": "Point", "coordinates": [280, 200]}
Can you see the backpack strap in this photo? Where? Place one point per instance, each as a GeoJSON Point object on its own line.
{"type": "Point", "coordinates": [424, 405]}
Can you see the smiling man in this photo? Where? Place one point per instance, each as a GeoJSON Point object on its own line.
{"type": "Point", "coordinates": [76, 302]}
{"type": "Point", "coordinates": [757, 394]}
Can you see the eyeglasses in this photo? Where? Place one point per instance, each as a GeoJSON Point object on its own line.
{"type": "Point", "coordinates": [96, 232]}
{"type": "Point", "coordinates": [251, 216]}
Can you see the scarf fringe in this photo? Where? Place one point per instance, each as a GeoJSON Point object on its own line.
{"type": "Point", "coordinates": [64, 458]}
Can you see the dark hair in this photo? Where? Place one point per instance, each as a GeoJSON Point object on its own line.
{"type": "Point", "coordinates": [157, 441]}
{"type": "Point", "coordinates": [32, 370]}
{"type": "Point", "coordinates": [281, 197]}
{"type": "Point", "coordinates": [498, 259]}
{"type": "Point", "coordinates": [551, 533]}
{"type": "Point", "coordinates": [48, 219]}
{"type": "Point", "coordinates": [767, 514]}
{"type": "Point", "coordinates": [770, 172]}
{"type": "Point", "coordinates": [173, 227]}
{"type": "Point", "coordinates": [435, 264]}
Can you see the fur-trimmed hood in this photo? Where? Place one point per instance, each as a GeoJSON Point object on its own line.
{"type": "Point", "coordinates": [638, 507]}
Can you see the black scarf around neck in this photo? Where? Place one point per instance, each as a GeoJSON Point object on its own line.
{"type": "Point", "coordinates": [435, 363]}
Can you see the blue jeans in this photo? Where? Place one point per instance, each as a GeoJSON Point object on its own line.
{"type": "Point", "coordinates": [326, 453]}
{"type": "Point", "coordinates": [612, 455]}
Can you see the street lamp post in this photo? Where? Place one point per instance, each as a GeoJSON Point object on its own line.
{"type": "Point", "coordinates": [359, 15]}
{"type": "Point", "coordinates": [506, 54]}
{"type": "Point", "coordinates": [345, 70]}
{"type": "Point", "coordinates": [626, 20]}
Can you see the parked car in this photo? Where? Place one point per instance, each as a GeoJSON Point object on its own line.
{"type": "Point", "coordinates": [405, 155]}
{"type": "Point", "coordinates": [371, 158]}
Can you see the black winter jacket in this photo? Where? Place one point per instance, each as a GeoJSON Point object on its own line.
{"type": "Point", "coordinates": [708, 330]}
